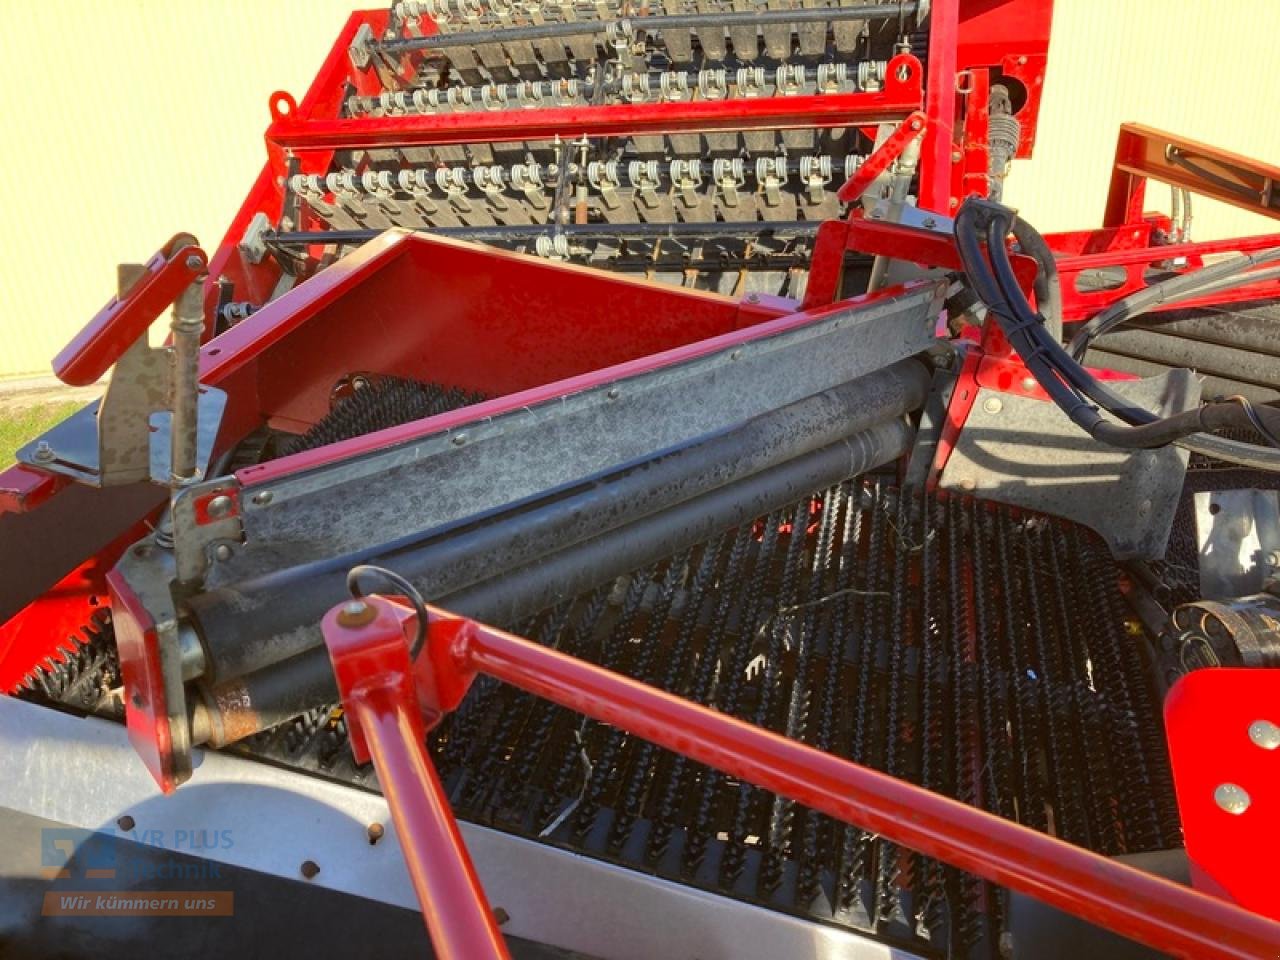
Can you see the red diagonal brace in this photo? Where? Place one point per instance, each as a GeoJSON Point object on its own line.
{"type": "Point", "coordinates": [124, 320]}
{"type": "Point", "coordinates": [1135, 904]}
{"type": "Point", "coordinates": [884, 155]}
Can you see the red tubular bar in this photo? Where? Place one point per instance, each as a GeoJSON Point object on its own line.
{"type": "Point", "coordinates": [1135, 904]}
{"type": "Point", "coordinates": [902, 93]}
{"type": "Point", "coordinates": [461, 925]}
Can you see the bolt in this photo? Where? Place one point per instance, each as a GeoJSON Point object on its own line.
{"type": "Point", "coordinates": [968, 483]}
{"type": "Point", "coordinates": [1028, 383]}
{"type": "Point", "coordinates": [753, 298]}
{"type": "Point", "coordinates": [956, 156]}
{"type": "Point", "coordinates": [359, 383]}
{"type": "Point", "coordinates": [194, 263]}
{"type": "Point", "coordinates": [262, 498]}
{"type": "Point", "coordinates": [44, 452]}
{"type": "Point", "coordinates": [614, 393]}
{"type": "Point", "coordinates": [309, 869]}
{"type": "Point", "coordinates": [929, 223]}
{"type": "Point", "coordinates": [356, 613]}
{"type": "Point", "coordinates": [1265, 734]}
{"type": "Point", "coordinates": [993, 405]}
{"type": "Point", "coordinates": [1231, 798]}
{"type": "Point", "coordinates": [1144, 508]}
{"type": "Point", "coordinates": [222, 552]}
{"type": "Point", "coordinates": [125, 823]}
{"type": "Point", "coordinates": [219, 506]}
{"type": "Point", "coordinates": [875, 214]}
{"type": "Point", "coordinates": [459, 439]}
{"type": "Point", "coordinates": [736, 355]}
{"type": "Point", "coordinates": [376, 831]}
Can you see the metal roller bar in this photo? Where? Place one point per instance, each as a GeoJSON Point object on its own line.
{"type": "Point", "coordinates": [690, 21]}
{"type": "Point", "coordinates": [752, 229]}
{"type": "Point", "coordinates": [440, 565]}
{"type": "Point", "coordinates": [1210, 386]}
{"type": "Point", "coordinates": [658, 86]}
{"type": "Point", "coordinates": [261, 697]}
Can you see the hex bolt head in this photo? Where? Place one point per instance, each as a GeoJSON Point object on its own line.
{"type": "Point", "coordinates": [356, 613]}
{"type": "Point", "coordinates": [1265, 734]}
{"type": "Point", "coordinates": [993, 405]}
{"type": "Point", "coordinates": [44, 452]}
{"type": "Point", "coordinates": [1232, 798]}
{"type": "Point", "coordinates": [194, 263]}
{"type": "Point", "coordinates": [219, 506]}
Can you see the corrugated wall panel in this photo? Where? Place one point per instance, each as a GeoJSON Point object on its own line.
{"type": "Point", "coordinates": [126, 121]}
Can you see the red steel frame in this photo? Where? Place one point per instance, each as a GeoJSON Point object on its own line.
{"type": "Point", "coordinates": [391, 701]}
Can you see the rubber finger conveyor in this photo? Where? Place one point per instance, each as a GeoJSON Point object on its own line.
{"type": "Point", "coordinates": [895, 629]}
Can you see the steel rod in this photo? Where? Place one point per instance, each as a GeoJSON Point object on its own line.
{"type": "Point", "coordinates": [604, 231]}
{"type": "Point", "coordinates": [1147, 908]}
{"type": "Point", "coordinates": [454, 906]}
{"type": "Point", "coordinates": [684, 21]}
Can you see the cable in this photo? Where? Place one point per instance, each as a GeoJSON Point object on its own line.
{"type": "Point", "coordinates": [1256, 420]}
{"type": "Point", "coordinates": [406, 588]}
{"type": "Point", "coordinates": [1062, 377]}
{"type": "Point", "coordinates": [1206, 279]}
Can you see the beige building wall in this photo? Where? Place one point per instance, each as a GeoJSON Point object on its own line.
{"type": "Point", "coordinates": [126, 121]}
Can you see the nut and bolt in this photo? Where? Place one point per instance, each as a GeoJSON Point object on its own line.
{"type": "Point", "coordinates": [459, 439]}
{"type": "Point", "coordinates": [219, 507]}
{"type": "Point", "coordinates": [614, 393]}
{"type": "Point", "coordinates": [356, 613]}
{"type": "Point", "coordinates": [194, 263]}
{"type": "Point", "coordinates": [1265, 734]}
{"type": "Point", "coordinates": [262, 498]}
{"type": "Point", "coordinates": [929, 223]}
{"type": "Point", "coordinates": [1232, 798]}
{"type": "Point", "coordinates": [44, 452]}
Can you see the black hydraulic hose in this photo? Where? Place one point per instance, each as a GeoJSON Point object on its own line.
{"type": "Point", "coordinates": [1079, 379]}
{"type": "Point", "coordinates": [1056, 372]}
{"type": "Point", "coordinates": [1207, 279]}
{"type": "Point", "coordinates": [1048, 289]}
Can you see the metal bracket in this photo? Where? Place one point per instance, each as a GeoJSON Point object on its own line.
{"type": "Point", "coordinates": [1024, 451]}
{"type": "Point", "coordinates": [152, 392]}
{"type": "Point", "coordinates": [1238, 535]}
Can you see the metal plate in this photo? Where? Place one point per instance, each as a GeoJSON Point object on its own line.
{"type": "Point", "coordinates": [82, 773]}
{"type": "Point", "coordinates": [74, 441]}
{"type": "Point", "coordinates": [1238, 536]}
{"type": "Point", "coordinates": [434, 481]}
{"type": "Point", "coordinates": [1027, 453]}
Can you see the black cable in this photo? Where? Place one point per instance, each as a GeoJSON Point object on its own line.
{"type": "Point", "coordinates": [405, 587]}
{"type": "Point", "coordinates": [1059, 375]}
{"type": "Point", "coordinates": [1256, 420]}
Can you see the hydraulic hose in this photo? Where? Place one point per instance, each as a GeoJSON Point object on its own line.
{"type": "Point", "coordinates": [1218, 276]}
{"type": "Point", "coordinates": [1064, 379]}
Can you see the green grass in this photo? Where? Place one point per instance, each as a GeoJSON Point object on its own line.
{"type": "Point", "coordinates": [20, 425]}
